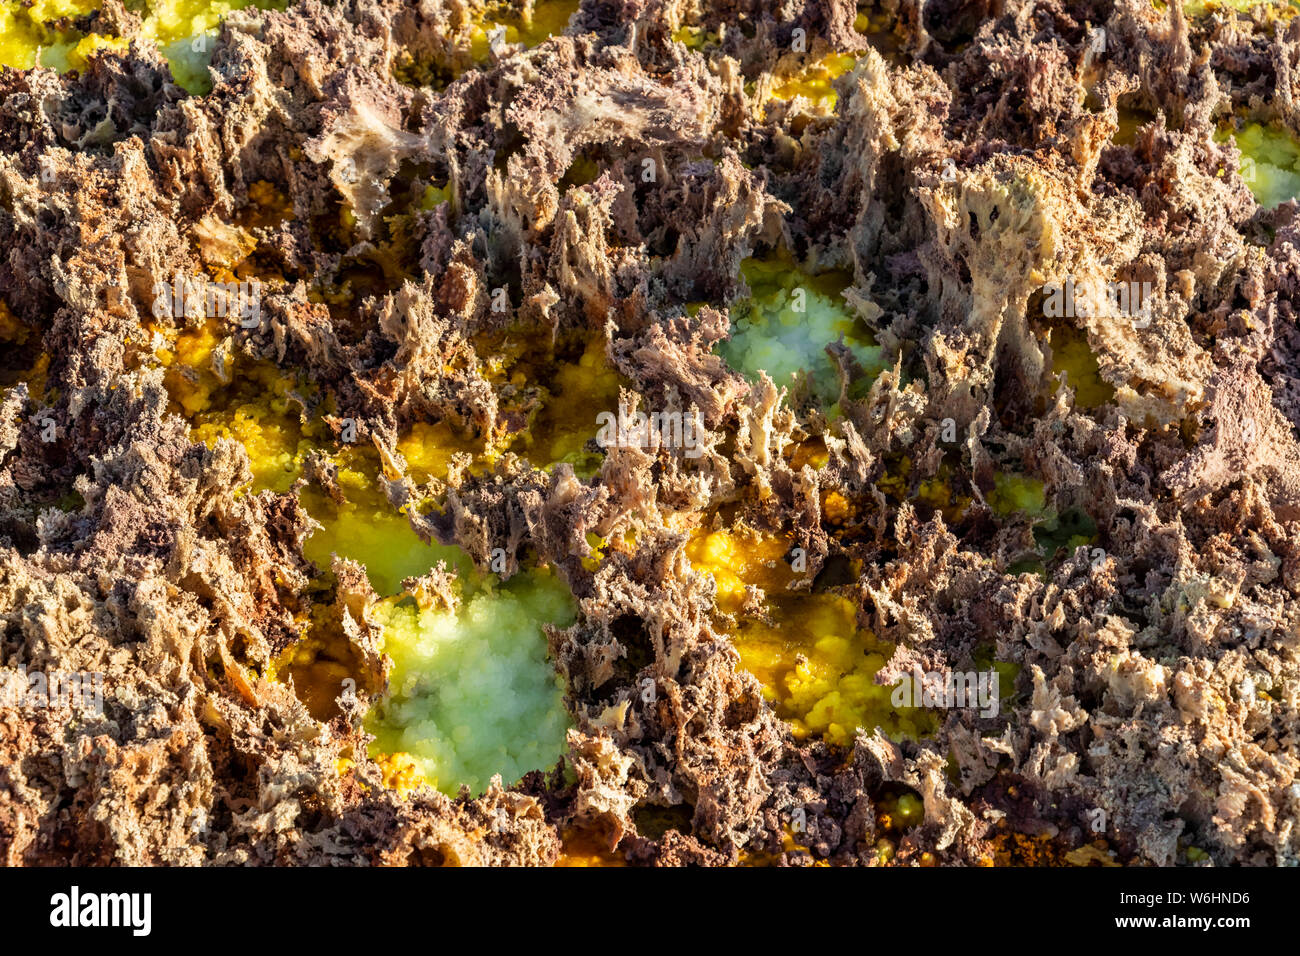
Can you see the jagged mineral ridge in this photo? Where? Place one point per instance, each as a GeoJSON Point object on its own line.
{"type": "Point", "coordinates": [965, 165]}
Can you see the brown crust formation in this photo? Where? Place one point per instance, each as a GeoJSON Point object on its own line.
{"type": "Point", "coordinates": [1137, 670]}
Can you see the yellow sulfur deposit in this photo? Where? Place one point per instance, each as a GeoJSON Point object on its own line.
{"type": "Point", "coordinates": [255, 406]}
{"type": "Point", "coordinates": [76, 54]}
{"type": "Point", "coordinates": [811, 452]}
{"type": "Point", "coordinates": [472, 692]}
{"type": "Point", "coordinates": [935, 493]}
{"type": "Point", "coordinates": [20, 360]}
{"type": "Point", "coordinates": [1072, 356]}
{"type": "Point", "coordinates": [435, 196]}
{"type": "Point", "coordinates": [320, 662]}
{"type": "Point", "coordinates": [367, 529]}
{"type": "Point", "coordinates": [184, 31]}
{"type": "Point", "coordinates": [256, 410]}
{"type": "Point", "coordinates": [26, 29]}
{"type": "Point", "coordinates": [1014, 494]}
{"type": "Point", "coordinates": [576, 392]}
{"type": "Point", "coordinates": [400, 771]}
{"type": "Point", "coordinates": [471, 38]}
{"type": "Point", "coordinates": [548, 18]}
{"type": "Point", "coordinates": [815, 664]}
{"type": "Point", "coordinates": [696, 38]}
{"type": "Point", "coordinates": [736, 560]}
{"type": "Point", "coordinates": [784, 328]}
{"type": "Point", "coordinates": [789, 844]}
{"type": "Point", "coordinates": [1130, 121]}
{"type": "Point", "coordinates": [583, 849]}
{"type": "Point", "coordinates": [11, 330]}
{"type": "Point", "coordinates": [814, 82]}
{"type": "Point", "coordinates": [1270, 163]}
{"type": "Point", "coordinates": [1282, 9]}
{"type": "Point", "coordinates": [428, 450]}
{"type": "Point", "coordinates": [1019, 495]}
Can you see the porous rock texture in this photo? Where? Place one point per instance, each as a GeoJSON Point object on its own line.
{"type": "Point", "coordinates": [969, 160]}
